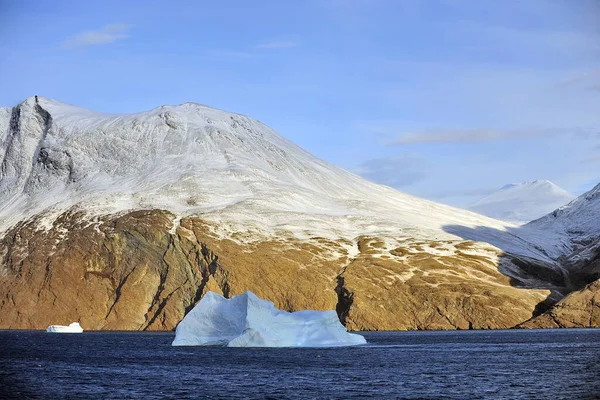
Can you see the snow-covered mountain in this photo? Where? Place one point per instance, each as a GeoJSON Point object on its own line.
{"type": "Point", "coordinates": [137, 216]}
{"type": "Point", "coordinates": [522, 202]}
{"type": "Point", "coordinates": [580, 218]}
{"type": "Point", "coordinates": [195, 160]}
{"type": "Point", "coordinates": [578, 224]}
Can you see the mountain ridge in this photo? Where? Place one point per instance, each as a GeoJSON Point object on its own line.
{"type": "Point", "coordinates": [138, 215]}
{"type": "Point", "coordinates": [163, 157]}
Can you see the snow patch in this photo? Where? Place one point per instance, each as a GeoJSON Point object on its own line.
{"type": "Point", "coordinates": [176, 224]}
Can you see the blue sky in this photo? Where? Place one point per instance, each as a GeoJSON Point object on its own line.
{"type": "Point", "coordinates": [445, 99]}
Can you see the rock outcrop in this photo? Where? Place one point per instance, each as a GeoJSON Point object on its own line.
{"type": "Point", "coordinates": [580, 309]}
{"type": "Point", "coordinates": [143, 270]}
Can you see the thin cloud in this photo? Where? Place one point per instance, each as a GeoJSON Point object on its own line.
{"type": "Point", "coordinates": [396, 171]}
{"type": "Point", "coordinates": [253, 52]}
{"type": "Point", "coordinates": [106, 34]}
{"type": "Point", "coordinates": [456, 136]}
{"type": "Point", "coordinates": [479, 192]}
{"type": "Point", "coordinates": [272, 45]}
{"type": "Point", "coordinates": [483, 135]}
{"type": "Point", "coordinates": [581, 78]}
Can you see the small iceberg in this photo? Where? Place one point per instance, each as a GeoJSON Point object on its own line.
{"type": "Point", "coordinates": [249, 321]}
{"type": "Point", "coordinates": [72, 328]}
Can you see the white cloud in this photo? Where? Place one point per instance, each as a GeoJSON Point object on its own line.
{"type": "Point", "coordinates": [233, 55]}
{"type": "Point", "coordinates": [106, 34]}
{"type": "Point", "coordinates": [486, 135]}
{"type": "Point", "coordinates": [277, 44]}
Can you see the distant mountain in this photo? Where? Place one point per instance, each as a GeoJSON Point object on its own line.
{"type": "Point", "coordinates": [522, 202]}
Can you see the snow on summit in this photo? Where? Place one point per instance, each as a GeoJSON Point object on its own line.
{"type": "Point", "coordinates": [195, 160]}
{"type": "Point", "coordinates": [522, 202]}
{"type": "Point", "coordinates": [578, 220]}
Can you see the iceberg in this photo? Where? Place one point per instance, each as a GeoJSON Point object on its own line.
{"type": "Point", "coordinates": [249, 321]}
{"type": "Point", "coordinates": [73, 327]}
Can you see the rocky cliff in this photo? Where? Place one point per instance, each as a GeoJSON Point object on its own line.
{"type": "Point", "coordinates": [579, 309]}
{"type": "Point", "coordinates": [138, 271]}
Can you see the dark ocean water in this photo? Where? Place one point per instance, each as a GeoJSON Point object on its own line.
{"type": "Point", "coordinates": [516, 364]}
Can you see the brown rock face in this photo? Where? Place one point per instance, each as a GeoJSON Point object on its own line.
{"type": "Point", "coordinates": [138, 271]}
{"type": "Point", "coordinates": [580, 309]}
{"type": "Point", "coordinates": [423, 291]}
{"type": "Point", "coordinates": [124, 273]}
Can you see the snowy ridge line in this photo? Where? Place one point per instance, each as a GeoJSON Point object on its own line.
{"type": "Point", "coordinates": [227, 168]}
{"type": "Point", "coordinates": [577, 221]}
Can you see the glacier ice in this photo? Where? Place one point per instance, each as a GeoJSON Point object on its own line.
{"type": "Point", "coordinates": [249, 321]}
{"type": "Point", "coordinates": [73, 327]}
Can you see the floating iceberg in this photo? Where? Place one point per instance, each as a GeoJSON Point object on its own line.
{"type": "Point", "coordinates": [73, 327]}
{"type": "Point", "coordinates": [249, 321]}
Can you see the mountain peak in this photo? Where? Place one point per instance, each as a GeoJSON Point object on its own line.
{"type": "Point", "coordinates": [196, 160]}
{"type": "Point", "coordinates": [522, 202]}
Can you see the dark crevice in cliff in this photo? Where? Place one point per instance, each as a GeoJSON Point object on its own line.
{"type": "Point", "coordinates": [546, 304]}
{"type": "Point", "coordinates": [9, 240]}
{"type": "Point", "coordinates": [46, 125]}
{"type": "Point", "coordinates": [118, 292]}
{"type": "Point", "coordinates": [196, 298]}
{"type": "Point", "coordinates": [442, 314]}
{"type": "Point", "coordinates": [209, 265]}
{"type": "Point", "coordinates": [161, 287]}
{"type": "Point", "coordinates": [555, 320]}
{"type": "Point", "coordinates": [47, 276]}
{"type": "Point", "coordinates": [345, 298]}
{"type": "Point", "coordinates": [46, 122]}
{"type": "Point", "coordinates": [214, 267]}
{"type": "Point", "coordinates": [202, 268]}
{"type": "Point", "coordinates": [160, 308]}
{"type": "Point", "coordinates": [14, 128]}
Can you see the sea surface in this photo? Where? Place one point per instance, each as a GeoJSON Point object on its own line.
{"type": "Point", "coordinates": [514, 364]}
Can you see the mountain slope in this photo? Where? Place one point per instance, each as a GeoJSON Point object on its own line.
{"type": "Point", "coordinates": [579, 230]}
{"type": "Point", "coordinates": [136, 216]}
{"type": "Point", "coordinates": [522, 202]}
{"type": "Point", "coordinates": [578, 225]}
{"type": "Point", "coordinates": [580, 309]}
{"type": "Point", "coordinates": [578, 219]}
{"type": "Point", "coordinates": [194, 159]}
